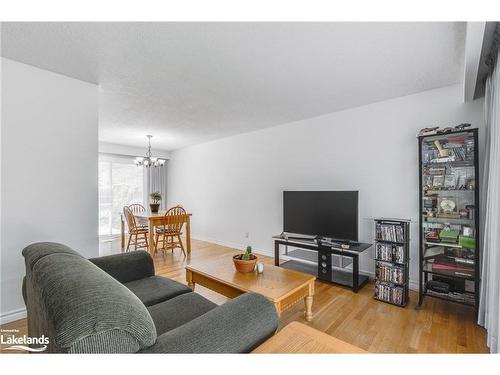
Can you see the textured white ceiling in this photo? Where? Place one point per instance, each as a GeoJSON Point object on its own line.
{"type": "Point", "coordinates": [192, 82]}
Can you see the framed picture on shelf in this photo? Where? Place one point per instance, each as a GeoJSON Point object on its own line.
{"type": "Point", "coordinates": [450, 182]}
{"type": "Point", "coordinates": [438, 182]}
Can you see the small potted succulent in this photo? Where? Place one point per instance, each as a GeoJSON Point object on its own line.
{"type": "Point", "coordinates": [245, 262]}
{"type": "Point", "coordinates": [155, 198]}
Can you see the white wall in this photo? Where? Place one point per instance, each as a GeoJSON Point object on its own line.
{"type": "Point", "coordinates": [116, 149]}
{"type": "Point", "coordinates": [48, 170]}
{"type": "Point", "coordinates": [234, 185]}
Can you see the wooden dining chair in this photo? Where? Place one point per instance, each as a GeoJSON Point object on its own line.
{"type": "Point", "coordinates": [138, 208]}
{"type": "Point", "coordinates": [135, 232]}
{"type": "Point", "coordinates": [169, 233]}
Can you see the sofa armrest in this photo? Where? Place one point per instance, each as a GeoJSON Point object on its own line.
{"type": "Point", "coordinates": [238, 326]}
{"type": "Point", "coordinates": [126, 267]}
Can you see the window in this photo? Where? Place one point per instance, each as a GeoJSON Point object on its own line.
{"type": "Point", "coordinates": [120, 184]}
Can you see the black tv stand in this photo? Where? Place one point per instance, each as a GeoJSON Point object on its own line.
{"type": "Point", "coordinates": [315, 256]}
{"type": "Point", "coordinates": [318, 239]}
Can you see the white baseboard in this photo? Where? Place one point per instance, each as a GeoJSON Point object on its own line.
{"type": "Point", "coordinates": [12, 316]}
{"type": "Point", "coordinates": [413, 285]}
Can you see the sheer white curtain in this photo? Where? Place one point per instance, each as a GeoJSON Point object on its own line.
{"type": "Point", "coordinates": [489, 307]}
{"type": "Point", "coordinates": [155, 179]}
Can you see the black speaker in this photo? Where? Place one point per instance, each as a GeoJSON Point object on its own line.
{"type": "Point", "coordinates": [324, 263]}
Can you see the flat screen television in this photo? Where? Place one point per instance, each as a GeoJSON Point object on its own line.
{"type": "Point", "coordinates": [332, 214]}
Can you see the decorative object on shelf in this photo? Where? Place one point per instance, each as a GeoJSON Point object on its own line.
{"type": "Point", "coordinates": [470, 208]}
{"type": "Point", "coordinates": [436, 130]}
{"type": "Point", "coordinates": [471, 184]}
{"type": "Point", "coordinates": [444, 130]}
{"type": "Point", "coordinates": [464, 213]}
{"type": "Point", "coordinates": [392, 258]}
{"type": "Point", "coordinates": [155, 198]}
{"type": "Point", "coordinates": [449, 253]}
{"type": "Point", "coordinates": [442, 152]}
{"type": "Point", "coordinates": [245, 262]}
{"type": "Point", "coordinates": [461, 126]}
{"type": "Point", "coordinates": [428, 131]}
{"type": "Point", "coordinates": [447, 205]}
{"type": "Point", "coordinates": [149, 161]}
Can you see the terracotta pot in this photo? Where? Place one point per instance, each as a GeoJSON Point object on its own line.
{"type": "Point", "coordinates": [244, 266]}
{"type": "Point", "coordinates": [155, 207]}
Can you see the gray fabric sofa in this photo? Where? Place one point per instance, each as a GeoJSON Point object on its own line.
{"type": "Point", "coordinates": [116, 304]}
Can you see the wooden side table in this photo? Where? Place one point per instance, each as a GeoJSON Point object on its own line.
{"type": "Point", "coordinates": [299, 338]}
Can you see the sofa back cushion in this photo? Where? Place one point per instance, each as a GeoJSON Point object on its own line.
{"type": "Point", "coordinates": [126, 267]}
{"type": "Point", "coordinates": [88, 311]}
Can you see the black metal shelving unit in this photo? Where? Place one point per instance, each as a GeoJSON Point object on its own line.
{"type": "Point", "coordinates": [392, 259]}
{"type": "Point", "coordinates": [449, 246]}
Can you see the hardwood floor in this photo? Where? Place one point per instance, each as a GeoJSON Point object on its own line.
{"type": "Point", "coordinates": [438, 327]}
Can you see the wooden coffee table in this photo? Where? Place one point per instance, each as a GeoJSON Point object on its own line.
{"type": "Point", "coordinates": [281, 286]}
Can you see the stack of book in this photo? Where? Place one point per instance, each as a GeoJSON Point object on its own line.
{"type": "Point", "coordinates": [389, 232]}
{"type": "Point", "coordinates": [446, 265]}
{"type": "Point", "coordinates": [390, 253]}
{"type": "Point", "coordinates": [386, 272]}
{"type": "Point", "coordinates": [389, 293]}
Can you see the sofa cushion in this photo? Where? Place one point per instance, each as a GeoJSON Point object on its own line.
{"type": "Point", "coordinates": [179, 310]}
{"type": "Point", "coordinates": [156, 289]}
{"type": "Point", "coordinates": [88, 311]}
{"type": "Point", "coordinates": [36, 251]}
{"type": "Point", "coordinates": [238, 326]}
{"type": "Point", "coordinates": [126, 267]}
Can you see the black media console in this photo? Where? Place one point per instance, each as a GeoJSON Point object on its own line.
{"type": "Point", "coordinates": [323, 259]}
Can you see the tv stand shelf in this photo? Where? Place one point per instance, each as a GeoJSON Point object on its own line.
{"type": "Point", "coordinates": [301, 255]}
{"type": "Point", "coordinates": [327, 261]}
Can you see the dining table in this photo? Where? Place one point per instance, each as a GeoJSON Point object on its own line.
{"type": "Point", "coordinates": [153, 220]}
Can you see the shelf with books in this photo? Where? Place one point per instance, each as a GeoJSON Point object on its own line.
{"type": "Point", "coordinates": [438, 191]}
{"type": "Point", "coordinates": [449, 271]}
{"type": "Point", "coordinates": [445, 244]}
{"type": "Point", "coordinates": [455, 163]}
{"type": "Point", "coordinates": [444, 220]}
{"type": "Point", "coordinates": [449, 217]}
{"type": "Point", "coordinates": [389, 242]}
{"type": "Point", "coordinates": [461, 298]}
{"type": "Point", "coordinates": [392, 261]}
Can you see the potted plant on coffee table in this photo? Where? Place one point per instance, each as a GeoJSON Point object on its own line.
{"type": "Point", "coordinates": [245, 262]}
{"type": "Point", "coordinates": [155, 198]}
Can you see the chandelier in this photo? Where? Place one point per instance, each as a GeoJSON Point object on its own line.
{"type": "Point", "coordinates": [149, 161]}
